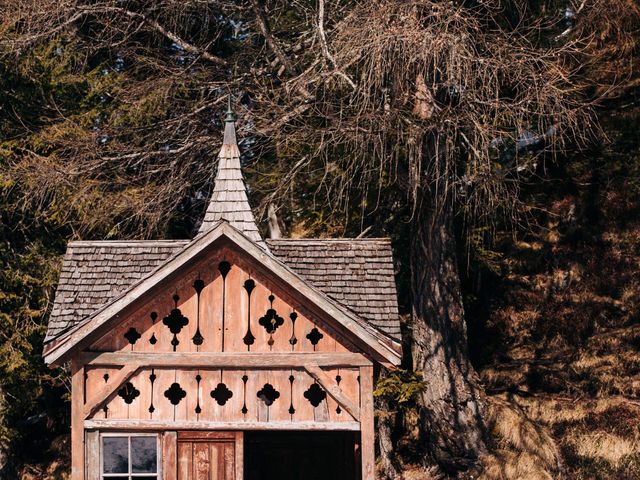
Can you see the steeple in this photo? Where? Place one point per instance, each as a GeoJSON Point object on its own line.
{"type": "Point", "coordinates": [229, 198]}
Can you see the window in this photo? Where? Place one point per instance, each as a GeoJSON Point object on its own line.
{"type": "Point", "coordinates": [129, 457]}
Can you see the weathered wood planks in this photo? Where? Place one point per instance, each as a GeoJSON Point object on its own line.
{"type": "Point", "coordinates": [225, 360]}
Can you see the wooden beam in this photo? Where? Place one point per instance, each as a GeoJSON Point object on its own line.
{"type": "Point", "coordinates": [367, 434]}
{"type": "Point", "coordinates": [190, 435]}
{"type": "Point", "coordinates": [77, 427]}
{"type": "Point", "coordinates": [111, 424]}
{"type": "Point", "coordinates": [224, 360]}
{"type": "Point", "coordinates": [332, 389]}
{"type": "Point", "coordinates": [101, 396]}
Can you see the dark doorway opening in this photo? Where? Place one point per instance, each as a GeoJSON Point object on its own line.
{"type": "Point", "coordinates": [302, 455]}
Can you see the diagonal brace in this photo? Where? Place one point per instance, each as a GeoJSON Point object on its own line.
{"type": "Point", "coordinates": [332, 389]}
{"type": "Point", "coordinates": [103, 395]}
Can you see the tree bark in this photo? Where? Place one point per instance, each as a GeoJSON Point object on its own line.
{"type": "Point", "coordinates": [453, 403]}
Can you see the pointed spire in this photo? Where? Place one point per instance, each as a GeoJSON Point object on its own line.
{"type": "Point", "coordinates": [229, 198]}
{"type": "Point", "coordinates": [230, 125]}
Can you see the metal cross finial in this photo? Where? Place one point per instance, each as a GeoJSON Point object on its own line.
{"type": "Point", "coordinates": [230, 116]}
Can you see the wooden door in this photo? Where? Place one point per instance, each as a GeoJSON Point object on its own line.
{"type": "Point", "coordinates": [210, 455]}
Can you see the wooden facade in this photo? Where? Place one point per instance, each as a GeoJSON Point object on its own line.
{"type": "Point", "coordinates": [220, 340]}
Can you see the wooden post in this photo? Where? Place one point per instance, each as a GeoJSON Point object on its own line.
{"type": "Point", "coordinates": [239, 462]}
{"type": "Point", "coordinates": [77, 421]}
{"type": "Point", "coordinates": [367, 434]}
{"type": "Point", "coordinates": [92, 454]}
{"type": "Point", "coordinates": [169, 456]}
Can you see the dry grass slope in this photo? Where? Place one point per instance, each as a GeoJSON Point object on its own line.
{"type": "Point", "coordinates": [562, 364]}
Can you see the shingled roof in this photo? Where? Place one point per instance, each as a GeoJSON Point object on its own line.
{"type": "Point", "coordinates": [357, 273]}
{"type": "Point", "coordinates": [95, 272]}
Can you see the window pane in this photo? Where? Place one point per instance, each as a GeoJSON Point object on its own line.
{"type": "Point", "coordinates": [143, 454]}
{"type": "Point", "coordinates": [115, 454]}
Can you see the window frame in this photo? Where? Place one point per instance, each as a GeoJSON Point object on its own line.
{"type": "Point", "coordinates": [130, 475]}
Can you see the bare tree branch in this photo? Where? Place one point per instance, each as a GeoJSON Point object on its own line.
{"type": "Point", "coordinates": [163, 31]}
{"type": "Point", "coordinates": [265, 29]}
{"type": "Point", "coordinates": [325, 49]}
{"type": "Point", "coordinates": [98, 9]}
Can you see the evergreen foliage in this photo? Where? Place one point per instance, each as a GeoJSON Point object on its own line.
{"type": "Point", "coordinates": [400, 387]}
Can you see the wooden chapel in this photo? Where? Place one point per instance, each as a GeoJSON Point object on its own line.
{"type": "Point", "coordinates": [227, 356]}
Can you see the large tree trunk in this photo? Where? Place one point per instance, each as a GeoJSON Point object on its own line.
{"type": "Point", "coordinates": [453, 402]}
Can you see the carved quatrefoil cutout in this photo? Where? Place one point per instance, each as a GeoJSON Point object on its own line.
{"type": "Point", "coordinates": [271, 320]}
{"type": "Point", "coordinates": [314, 336]}
{"type": "Point", "coordinates": [221, 394]}
{"type": "Point", "coordinates": [175, 393]}
{"type": "Point", "coordinates": [132, 335]}
{"type": "Point", "coordinates": [175, 321]}
{"type": "Point", "coordinates": [315, 394]}
{"type": "Point", "coordinates": [268, 394]}
{"type": "Point", "coordinates": [128, 393]}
